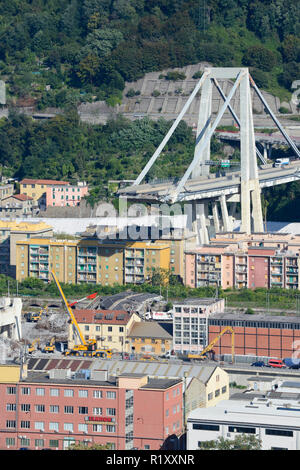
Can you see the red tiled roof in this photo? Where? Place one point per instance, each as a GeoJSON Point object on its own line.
{"type": "Point", "coordinates": [22, 197]}
{"type": "Point", "coordinates": [93, 316]}
{"type": "Point", "coordinates": [30, 181]}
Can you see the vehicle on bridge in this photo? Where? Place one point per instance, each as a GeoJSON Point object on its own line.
{"type": "Point", "coordinates": [280, 162]}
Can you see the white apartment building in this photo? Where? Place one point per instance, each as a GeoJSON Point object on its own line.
{"type": "Point", "coordinates": [190, 323]}
{"type": "Point", "coordinates": [274, 418]}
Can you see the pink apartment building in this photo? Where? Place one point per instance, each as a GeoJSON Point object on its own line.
{"type": "Point", "coordinates": [245, 261]}
{"type": "Point", "coordinates": [65, 195]}
{"type": "Point", "coordinates": [57, 408]}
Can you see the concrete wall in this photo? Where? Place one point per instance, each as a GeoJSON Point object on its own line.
{"type": "Point", "coordinates": [9, 309]}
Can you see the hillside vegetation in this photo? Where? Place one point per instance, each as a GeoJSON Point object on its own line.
{"type": "Point", "coordinates": [62, 52]}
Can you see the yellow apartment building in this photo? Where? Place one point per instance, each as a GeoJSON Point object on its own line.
{"type": "Point", "coordinates": [11, 232]}
{"type": "Point", "coordinates": [91, 261]}
{"type": "Point", "coordinates": [150, 337]}
{"type": "Point", "coordinates": [110, 328]}
{"type": "Point", "coordinates": [36, 188]}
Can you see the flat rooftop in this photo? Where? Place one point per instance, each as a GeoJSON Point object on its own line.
{"type": "Point", "coordinates": [153, 383]}
{"type": "Point", "coordinates": [255, 317]}
{"type": "Point", "coordinates": [197, 301]}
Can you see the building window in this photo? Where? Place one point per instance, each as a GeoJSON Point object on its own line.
{"type": "Point", "coordinates": [206, 427]}
{"type": "Point", "coordinates": [10, 424]}
{"type": "Point", "coordinates": [39, 425]}
{"type": "Point", "coordinates": [83, 410]}
{"type": "Point", "coordinates": [97, 427]}
{"type": "Point", "coordinates": [40, 408]}
{"type": "Point", "coordinates": [10, 441]}
{"type": "Point", "coordinates": [10, 407]}
{"type": "Point", "coordinates": [278, 432]}
{"type": "Point", "coordinates": [68, 392]}
{"type": "Point", "coordinates": [25, 441]}
{"type": "Point", "coordinates": [39, 442]}
{"type": "Point", "coordinates": [25, 424]}
{"type": "Point", "coordinates": [97, 394]}
{"type": "Point", "coordinates": [25, 391]}
{"type": "Point", "coordinates": [69, 409]}
{"type": "Point", "coordinates": [111, 395]}
{"type": "Point", "coordinates": [53, 443]}
{"type": "Point", "coordinates": [68, 427]}
{"type": "Point", "coordinates": [97, 411]}
{"type": "Point", "coordinates": [83, 394]}
{"type": "Point", "coordinates": [111, 411]}
{"type": "Point", "coordinates": [224, 389]}
{"type": "Point", "coordinates": [110, 428]}
{"type": "Point", "coordinates": [242, 429]}
{"type": "Point", "coordinates": [54, 409]}
{"type": "Point", "coordinates": [25, 407]}
{"type": "Point", "coordinates": [83, 427]}
{"type": "Point", "coordinates": [54, 427]}
{"type": "Point", "coordinates": [40, 392]}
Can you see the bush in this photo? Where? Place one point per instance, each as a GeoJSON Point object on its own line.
{"type": "Point", "coordinates": [174, 76]}
{"type": "Point", "coordinates": [155, 93]}
{"type": "Point", "coordinates": [283, 110]}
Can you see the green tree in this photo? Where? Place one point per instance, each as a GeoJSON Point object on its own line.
{"type": "Point", "coordinates": [241, 442]}
{"type": "Point", "coordinates": [88, 68]}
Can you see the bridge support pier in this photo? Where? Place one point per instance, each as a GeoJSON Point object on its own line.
{"type": "Point", "coordinates": [227, 226]}
{"type": "Point", "coordinates": [199, 217]}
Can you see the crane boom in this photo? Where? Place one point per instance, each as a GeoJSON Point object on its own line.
{"type": "Point", "coordinates": [216, 339]}
{"type": "Point", "coordinates": [69, 310]}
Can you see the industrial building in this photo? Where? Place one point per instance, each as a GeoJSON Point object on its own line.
{"type": "Point", "coordinates": [190, 323]}
{"type": "Point", "coordinates": [272, 417]}
{"type": "Point", "coordinates": [258, 335]}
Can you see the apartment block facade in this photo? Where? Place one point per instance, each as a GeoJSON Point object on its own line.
{"type": "Point", "coordinates": [11, 232]}
{"type": "Point", "coordinates": [232, 266]}
{"type": "Point", "coordinates": [56, 409]}
{"type": "Point", "coordinates": [91, 261]}
{"type": "Point", "coordinates": [36, 188]}
{"type": "Point", "coordinates": [65, 195]}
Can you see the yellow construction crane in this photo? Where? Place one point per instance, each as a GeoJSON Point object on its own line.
{"type": "Point", "coordinates": [85, 348]}
{"type": "Point", "coordinates": [213, 342]}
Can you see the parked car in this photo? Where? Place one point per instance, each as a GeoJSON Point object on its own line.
{"type": "Point", "coordinates": [258, 364]}
{"type": "Point", "coordinates": [294, 366]}
{"type": "Point", "coordinates": [276, 363]}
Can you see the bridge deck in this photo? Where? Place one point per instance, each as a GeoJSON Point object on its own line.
{"type": "Point", "coordinates": [211, 187]}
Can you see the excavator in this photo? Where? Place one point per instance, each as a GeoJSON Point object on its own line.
{"type": "Point", "coordinates": [36, 316]}
{"type": "Point", "coordinates": [34, 346]}
{"type": "Point", "coordinates": [50, 347]}
{"type": "Point", "coordinates": [203, 354]}
{"type": "Point", "coordinates": [84, 348]}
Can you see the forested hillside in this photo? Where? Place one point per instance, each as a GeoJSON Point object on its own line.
{"type": "Point", "coordinates": [61, 52]}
